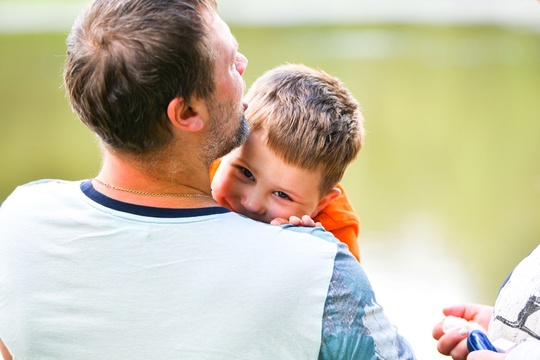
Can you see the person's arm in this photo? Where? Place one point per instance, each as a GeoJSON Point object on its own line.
{"type": "Point", "coordinates": [339, 217]}
{"type": "Point", "coordinates": [4, 351]}
{"type": "Point", "coordinates": [454, 343]}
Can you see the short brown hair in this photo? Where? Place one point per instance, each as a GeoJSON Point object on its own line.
{"type": "Point", "coordinates": [127, 59]}
{"type": "Point", "coordinates": [308, 118]}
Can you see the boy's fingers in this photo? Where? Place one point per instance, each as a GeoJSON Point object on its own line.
{"type": "Point", "coordinates": [308, 221]}
{"type": "Point", "coordinates": [279, 221]}
{"type": "Point", "coordinates": [295, 220]}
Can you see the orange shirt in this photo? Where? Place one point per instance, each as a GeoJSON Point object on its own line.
{"type": "Point", "coordinates": [338, 217]}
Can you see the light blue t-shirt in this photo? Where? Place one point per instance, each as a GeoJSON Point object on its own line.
{"type": "Point", "coordinates": [83, 276]}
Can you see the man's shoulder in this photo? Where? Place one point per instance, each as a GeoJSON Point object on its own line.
{"type": "Point", "coordinates": [354, 324]}
{"type": "Point", "coordinates": [317, 232]}
{"type": "Point", "coordinates": [31, 191]}
{"type": "Point", "coordinates": [43, 185]}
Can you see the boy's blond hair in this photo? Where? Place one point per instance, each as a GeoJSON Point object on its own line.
{"type": "Point", "coordinates": [308, 119]}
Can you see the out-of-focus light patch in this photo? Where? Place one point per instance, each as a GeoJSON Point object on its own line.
{"type": "Point", "coordinates": [29, 16]}
{"type": "Point", "coordinates": [414, 277]}
{"type": "Point", "coordinates": [38, 17]}
{"type": "Point", "coordinates": [474, 50]}
{"type": "Point", "coordinates": [521, 13]}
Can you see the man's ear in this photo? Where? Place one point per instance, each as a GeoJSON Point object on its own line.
{"type": "Point", "coordinates": [326, 199]}
{"type": "Point", "coordinates": [184, 116]}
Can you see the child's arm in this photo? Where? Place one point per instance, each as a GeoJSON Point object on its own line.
{"type": "Point", "coordinates": [340, 219]}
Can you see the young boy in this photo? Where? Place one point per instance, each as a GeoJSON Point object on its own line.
{"type": "Point", "coordinates": [305, 129]}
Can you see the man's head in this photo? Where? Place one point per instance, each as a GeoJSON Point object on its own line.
{"type": "Point", "coordinates": [305, 129]}
{"type": "Point", "coordinates": [127, 60]}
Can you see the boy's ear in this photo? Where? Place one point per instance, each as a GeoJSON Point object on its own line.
{"type": "Point", "coordinates": [184, 116]}
{"type": "Point", "coordinates": [326, 199]}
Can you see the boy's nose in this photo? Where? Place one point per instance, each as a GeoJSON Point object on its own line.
{"type": "Point", "coordinates": [254, 205]}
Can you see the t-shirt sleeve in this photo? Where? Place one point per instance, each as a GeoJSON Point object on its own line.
{"type": "Point", "coordinates": [354, 324]}
{"type": "Point", "coordinates": [340, 219]}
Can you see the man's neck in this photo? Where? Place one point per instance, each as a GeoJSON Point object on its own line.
{"type": "Point", "coordinates": [157, 183]}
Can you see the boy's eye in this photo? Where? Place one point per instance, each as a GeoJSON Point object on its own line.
{"type": "Point", "coordinates": [282, 195]}
{"type": "Point", "coordinates": [247, 173]}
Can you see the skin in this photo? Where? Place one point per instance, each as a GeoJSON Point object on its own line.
{"type": "Point", "coordinates": [453, 343]}
{"type": "Point", "coordinates": [4, 351]}
{"type": "Point", "coordinates": [230, 85]}
{"type": "Point", "coordinates": [255, 182]}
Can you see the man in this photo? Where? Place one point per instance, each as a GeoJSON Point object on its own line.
{"type": "Point", "coordinates": [140, 262]}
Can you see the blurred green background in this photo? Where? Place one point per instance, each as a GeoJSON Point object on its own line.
{"type": "Point", "coordinates": [447, 185]}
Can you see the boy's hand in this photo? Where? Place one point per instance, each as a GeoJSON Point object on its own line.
{"type": "Point", "coordinates": [306, 221]}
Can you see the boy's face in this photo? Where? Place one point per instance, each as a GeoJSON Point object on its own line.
{"type": "Point", "coordinates": [254, 182]}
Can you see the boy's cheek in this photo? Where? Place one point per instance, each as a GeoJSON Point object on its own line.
{"type": "Point", "coordinates": [223, 189]}
{"type": "Point", "coordinates": [219, 196]}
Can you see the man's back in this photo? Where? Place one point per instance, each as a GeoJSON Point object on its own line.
{"type": "Point", "coordinates": [132, 282]}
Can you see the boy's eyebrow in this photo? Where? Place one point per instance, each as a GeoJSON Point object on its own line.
{"type": "Point", "coordinates": [242, 162]}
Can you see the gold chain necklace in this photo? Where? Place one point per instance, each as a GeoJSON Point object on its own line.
{"type": "Point", "coordinates": [148, 193]}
